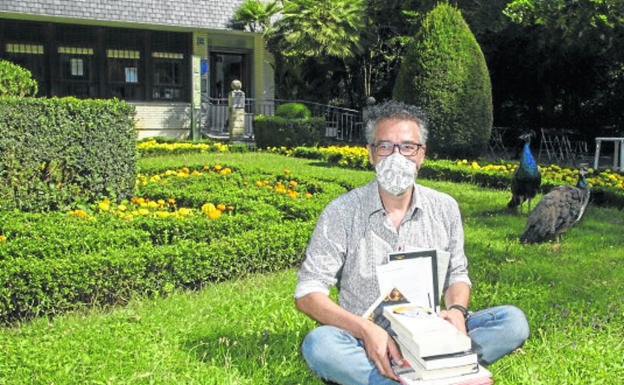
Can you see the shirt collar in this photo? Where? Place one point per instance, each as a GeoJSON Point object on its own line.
{"type": "Point", "coordinates": [375, 205]}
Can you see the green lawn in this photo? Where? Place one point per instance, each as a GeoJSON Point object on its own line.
{"type": "Point", "coordinates": [248, 332]}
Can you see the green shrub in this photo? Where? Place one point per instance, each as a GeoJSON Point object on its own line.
{"type": "Point", "coordinates": [276, 131]}
{"type": "Point", "coordinates": [16, 81]}
{"type": "Point", "coordinates": [444, 72]}
{"type": "Point", "coordinates": [55, 153]}
{"type": "Point", "coordinates": [65, 280]}
{"type": "Point", "coordinates": [293, 111]}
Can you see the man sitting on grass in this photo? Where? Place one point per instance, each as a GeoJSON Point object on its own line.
{"type": "Point", "coordinates": [356, 232]}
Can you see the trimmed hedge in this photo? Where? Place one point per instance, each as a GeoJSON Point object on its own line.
{"type": "Point", "coordinates": [34, 287]}
{"type": "Point", "coordinates": [16, 81]}
{"type": "Point", "coordinates": [293, 111]}
{"type": "Point", "coordinates": [58, 152]}
{"type": "Point", "coordinates": [444, 72]}
{"type": "Point", "coordinates": [275, 131]}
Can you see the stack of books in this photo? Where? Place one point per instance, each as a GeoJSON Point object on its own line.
{"type": "Point", "coordinates": [437, 353]}
{"type": "Point", "coordinates": [411, 286]}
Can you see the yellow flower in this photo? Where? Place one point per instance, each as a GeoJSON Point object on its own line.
{"type": "Point", "coordinates": [138, 201]}
{"type": "Point", "coordinates": [162, 214]}
{"type": "Point", "coordinates": [104, 205]}
{"type": "Point", "coordinates": [2, 238]}
{"type": "Point", "coordinates": [185, 212]}
{"type": "Point", "coordinates": [211, 211]}
{"type": "Point", "coordinates": [78, 213]}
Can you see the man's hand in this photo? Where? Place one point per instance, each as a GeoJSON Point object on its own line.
{"type": "Point", "coordinates": [455, 317]}
{"type": "Point", "coordinates": [381, 348]}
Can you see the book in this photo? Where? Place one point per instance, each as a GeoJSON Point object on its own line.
{"type": "Point", "coordinates": [442, 361]}
{"type": "Point", "coordinates": [409, 277]}
{"type": "Point", "coordinates": [407, 376]}
{"type": "Point", "coordinates": [423, 332]}
{"type": "Point", "coordinates": [375, 311]}
{"type": "Point", "coordinates": [452, 370]}
{"type": "Point", "coordinates": [418, 274]}
{"type": "Point", "coordinates": [435, 352]}
{"type": "Point", "coordinates": [439, 260]}
{"type": "Point", "coordinates": [447, 360]}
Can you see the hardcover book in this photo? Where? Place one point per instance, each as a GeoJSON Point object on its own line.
{"type": "Point", "coordinates": [447, 360]}
{"type": "Point", "coordinates": [418, 275]}
{"type": "Point", "coordinates": [408, 376]}
{"type": "Point", "coordinates": [423, 332]}
{"type": "Point", "coordinates": [451, 370]}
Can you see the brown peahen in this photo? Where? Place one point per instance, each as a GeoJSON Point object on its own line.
{"type": "Point", "coordinates": [557, 211]}
{"type": "Point", "coordinates": [527, 178]}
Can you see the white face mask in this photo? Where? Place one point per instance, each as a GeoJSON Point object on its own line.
{"type": "Point", "coordinates": [396, 174]}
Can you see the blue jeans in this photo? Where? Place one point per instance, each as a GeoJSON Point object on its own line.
{"type": "Point", "coordinates": [335, 355]}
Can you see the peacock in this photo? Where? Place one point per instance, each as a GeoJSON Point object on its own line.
{"type": "Point", "coordinates": [527, 178]}
{"type": "Point", "coordinates": [557, 211]}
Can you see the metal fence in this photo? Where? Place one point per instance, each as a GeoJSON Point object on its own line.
{"type": "Point", "coordinates": [342, 124]}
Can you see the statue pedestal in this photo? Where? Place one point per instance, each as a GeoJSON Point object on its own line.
{"type": "Point", "coordinates": [237, 123]}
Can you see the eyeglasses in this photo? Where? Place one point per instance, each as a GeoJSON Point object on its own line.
{"type": "Point", "coordinates": [385, 148]}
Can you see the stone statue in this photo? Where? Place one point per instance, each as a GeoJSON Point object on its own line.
{"type": "Point", "coordinates": [236, 104]}
{"type": "Point", "coordinates": [237, 95]}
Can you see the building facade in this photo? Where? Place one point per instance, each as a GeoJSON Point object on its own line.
{"type": "Point", "coordinates": [169, 59]}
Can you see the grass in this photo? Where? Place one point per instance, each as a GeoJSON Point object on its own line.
{"type": "Point", "coordinates": [240, 332]}
{"type": "Point", "coordinates": [248, 332]}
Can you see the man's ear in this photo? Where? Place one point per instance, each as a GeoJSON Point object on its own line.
{"type": "Point", "coordinates": [422, 159]}
{"type": "Point", "coordinates": [370, 154]}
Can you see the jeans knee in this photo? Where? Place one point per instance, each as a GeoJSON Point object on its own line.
{"type": "Point", "coordinates": [310, 346]}
{"type": "Point", "coordinates": [519, 326]}
{"type": "Point", "coordinates": [316, 346]}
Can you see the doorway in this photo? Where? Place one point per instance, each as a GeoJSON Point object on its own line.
{"type": "Point", "coordinates": [226, 67]}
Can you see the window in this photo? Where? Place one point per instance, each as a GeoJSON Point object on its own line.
{"type": "Point", "coordinates": [90, 61]}
{"type": "Point", "coordinates": [168, 76]}
{"type": "Point", "coordinates": [123, 73]}
{"type": "Point", "coordinates": [31, 57]}
{"type": "Point", "coordinates": [76, 72]}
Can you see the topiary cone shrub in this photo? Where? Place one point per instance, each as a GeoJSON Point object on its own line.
{"type": "Point", "coordinates": [444, 72]}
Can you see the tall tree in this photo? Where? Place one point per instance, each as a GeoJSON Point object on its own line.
{"type": "Point", "coordinates": [387, 31]}
{"type": "Point", "coordinates": [577, 48]}
{"type": "Point", "coordinates": [311, 28]}
{"type": "Point", "coordinates": [256, 15]}
{"type": "Point", "coordinates": [312, 41]}
{"type": "Point", "coordinates": [444, 72]}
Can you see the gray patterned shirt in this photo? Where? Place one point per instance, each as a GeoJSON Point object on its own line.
{"type": "Point", "coordinates": [353, 235]}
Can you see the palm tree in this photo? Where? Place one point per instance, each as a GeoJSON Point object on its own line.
{"type": "Point", "coordinates": [312, 28]}
{"type": "Point", "coordinates": [256, 15]}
